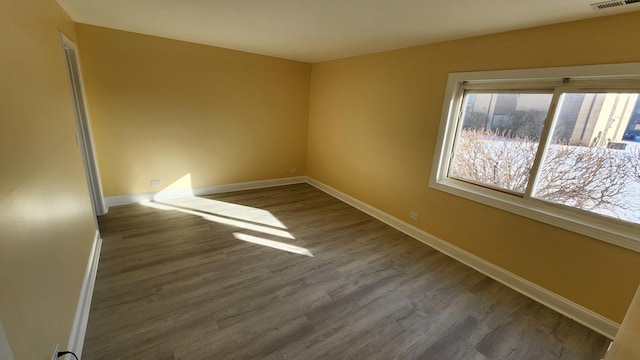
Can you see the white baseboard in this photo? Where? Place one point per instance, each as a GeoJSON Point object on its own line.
{"type": "Point", "coordinates": [550, 299]}
{"type": "Point", "coordinates": [206, 190]}
{"type": "Point", "coordinates": [79, 328]}
{"type": "Point", "coordinates": [218, 189]}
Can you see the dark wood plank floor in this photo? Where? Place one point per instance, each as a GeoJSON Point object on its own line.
{"type": "Point", "coordinates": [178, 283]}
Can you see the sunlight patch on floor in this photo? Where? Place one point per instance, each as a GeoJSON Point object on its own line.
{"type": "Point", "coordinates": [272, 244]}
{"type": "Point", "coordinates": [179, 196]}
{"type": "Point", "coordinates": [239, 222]}
{"type": "Point", "coordinates": [226, 209]}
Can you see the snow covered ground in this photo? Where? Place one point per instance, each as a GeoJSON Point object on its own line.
{"type": "Point", "coordinates": [629, 209]}
{"type": "Point", "coordinates": [631, 199]}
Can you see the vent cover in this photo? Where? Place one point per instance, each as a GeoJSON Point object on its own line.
{"type": "Point", "coordinates": [612, 3]}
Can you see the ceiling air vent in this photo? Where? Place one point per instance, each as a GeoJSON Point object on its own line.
{"type": "Point", "coordinates": [612, 3]}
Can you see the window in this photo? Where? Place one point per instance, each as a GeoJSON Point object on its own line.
{"type": "Point", "coordinates": [557, 145]}
{"type": "Point", "coordinates": [499, 138]}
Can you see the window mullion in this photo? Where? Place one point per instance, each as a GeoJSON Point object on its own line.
{"type": "Point", "coordinates": [545, 139]}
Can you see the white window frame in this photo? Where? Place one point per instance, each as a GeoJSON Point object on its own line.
{"type": "Point", "coordinates": [620, 233]}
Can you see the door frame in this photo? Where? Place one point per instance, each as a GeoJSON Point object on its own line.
{"type": "Point", "coordinates": [84, 140]}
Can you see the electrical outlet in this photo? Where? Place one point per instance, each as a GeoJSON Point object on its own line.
{"type": "Point", "coordinates": [155, 182]}
{"type": "Point", "coordinates": [292, 170]}
{"type": "Point", "coordinates": [413, 215]}
{"type": "Point", "coordinates": [54, 356]}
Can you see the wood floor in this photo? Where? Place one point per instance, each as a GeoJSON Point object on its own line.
{"type": "Point", "coordinates": [201, 279]}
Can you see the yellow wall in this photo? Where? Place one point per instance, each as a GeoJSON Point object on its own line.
{"type": "Point", "coordinates": [46, 224]}
{"type": "Point", "coordinates": [373, 125]}
{"type": "Point", "coordinates": [162, 109]}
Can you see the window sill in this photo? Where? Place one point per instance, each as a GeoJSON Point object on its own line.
{"type": "Point", "coordinates": [595, 226]}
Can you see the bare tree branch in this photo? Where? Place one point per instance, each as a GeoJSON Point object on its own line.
{"type": "Point", "coordinates": [583, 177]}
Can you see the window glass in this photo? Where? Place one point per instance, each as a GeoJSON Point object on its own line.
{"type": "Point", "coordinates": [498, 138]}
{"type": "Point", "coordinates": [593, 159]}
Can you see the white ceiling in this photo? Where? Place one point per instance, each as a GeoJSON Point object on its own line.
{"type": "Point", "coordinates": [319, 30]}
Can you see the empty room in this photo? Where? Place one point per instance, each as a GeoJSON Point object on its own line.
{"type": "Point", "coordinates": [363, 179]}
